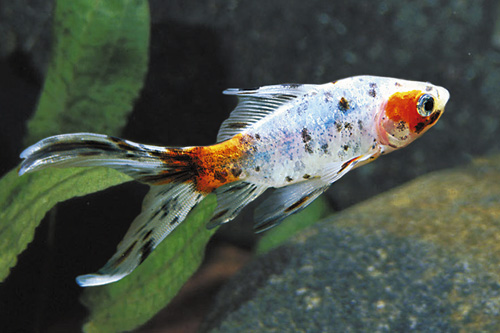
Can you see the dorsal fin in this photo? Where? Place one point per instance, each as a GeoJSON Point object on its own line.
{"type": "Point", "coordinates": [255, 104]}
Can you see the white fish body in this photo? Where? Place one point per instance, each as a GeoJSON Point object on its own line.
{"type": "Point", "coordinates": [296, 138]}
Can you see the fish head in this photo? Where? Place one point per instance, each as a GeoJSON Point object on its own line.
{"type": "Point", "coordinates": [408, 112]}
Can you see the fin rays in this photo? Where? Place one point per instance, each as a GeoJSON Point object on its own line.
{"type": "Point", "coordinates": [164, 208]}
{"type": "Point", "coordinates": [255, 104]}
{"type": "Point", "coordinates": [286, 201]}
{"type": "Point", "coordinates": [231, 199]}
{"type": "Point", "coordinates": [142, 162]}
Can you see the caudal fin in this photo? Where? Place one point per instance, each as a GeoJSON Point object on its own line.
{"type": "Point", "coordinates": [145, 163]}
{"type": "Point", "coordinates": [164, 208]}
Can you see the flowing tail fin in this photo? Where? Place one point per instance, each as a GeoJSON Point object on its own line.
{"type": "Point", "coordinates": [145, 163]}
{"type": "Point", "coordinates": [164, 208]}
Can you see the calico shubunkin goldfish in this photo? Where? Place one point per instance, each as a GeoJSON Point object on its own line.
{"type": "Point", "coordinates": [297, 138]}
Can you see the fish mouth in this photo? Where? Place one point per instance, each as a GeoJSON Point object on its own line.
{"type": "Point", "coordinates": [443, 96]}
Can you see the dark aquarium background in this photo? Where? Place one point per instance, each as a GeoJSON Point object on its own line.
{"type": "Point", "coordinates": [200, 48]}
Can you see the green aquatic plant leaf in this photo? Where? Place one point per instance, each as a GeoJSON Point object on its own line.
{"type": "Point", "coordinates": [130, 302]}
{"type": "Point", "coordinates": [98, 65]}
{"type": "Point", "coordinates": [25, 200]}
{"type": "Point", "coordinates": [293, 224]}
{"type": "Point", "coordinates": [99, 61]}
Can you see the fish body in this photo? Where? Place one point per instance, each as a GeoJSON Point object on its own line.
{"type": "Point", "coordinates": [296, 138]}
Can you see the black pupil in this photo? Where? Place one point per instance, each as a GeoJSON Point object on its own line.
{"type": "Point", "coordinates": [429, 104]}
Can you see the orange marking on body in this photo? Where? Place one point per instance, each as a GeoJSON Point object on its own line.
{"type": "Point", "coordinates": [402, 106]}
{"type": "Point", "coordinates": [208, 166]}
{"type": "Point", "coordinates": [220, 164]}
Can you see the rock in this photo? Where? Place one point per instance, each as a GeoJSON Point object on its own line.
{"type": "Point", "coordinates": [424, 256]}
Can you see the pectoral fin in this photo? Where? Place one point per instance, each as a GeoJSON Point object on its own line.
{"type": "Point", "coordinates": [231, 199]}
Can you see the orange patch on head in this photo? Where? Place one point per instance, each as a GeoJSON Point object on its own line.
{"type": "Point", "coordinates": [402, 106]}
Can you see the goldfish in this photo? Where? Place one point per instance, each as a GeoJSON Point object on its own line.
{"type": "Point", "coordinates": [295, 138]}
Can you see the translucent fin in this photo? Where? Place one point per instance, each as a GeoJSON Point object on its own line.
{"type": "Point", "coordinates": [231, 199]}
{"type": "Point", "coordinates": [144, 163]}
{"type": "Point", "coordinates": [255, 104]}
{"type": "Point", "coordinates": [167, 204]}
{"type": "Point", "coordinates": [164, 208]}
{"type": "Point", "coordinates": [335, 171]}
{"type": "Point", "coordinates": [286, 201]}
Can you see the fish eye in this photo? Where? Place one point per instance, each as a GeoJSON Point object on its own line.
{"type": "Point", "coordinates": [425, 105]}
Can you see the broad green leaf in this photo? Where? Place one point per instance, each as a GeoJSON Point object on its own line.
{"type": "Point", "coordinates": [130, 302]}
{"type": "Point", "coordinates": [292, 225]}
{"type": "Point", "coordinates": [25, 200]}
{"type": "Point", "coordinates": [97, 68]}
{"type": "Point", "coordinates": [99, 60]}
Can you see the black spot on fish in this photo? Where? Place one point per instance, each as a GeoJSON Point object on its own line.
{"type": "Point", "coordinates": [346, 147]}
{"type": "Point", "coordinates": [308, 148]}
{"type": "Point", "coordinates": [122, 144]}
{"type": "Point", "coordinates": [156, 213]}
{"type": "Point", "coordinates": [146, 250]}
{"type": "Point", "coordinates": [297, 204]}
{"type": "Point", "coordinates": [339, 126]}
{"type": "Point", "coordinates": [146, 236]}
{"type": "Point", "coordinates": [236, 171]}
{"type": "Point", "coordinates": [306, 176]}
{"type": "Point", "coordinates": [219, 214]}
{"type": "Point", "coordinates": [174, 220]}
{"type": "Point", "coordinates": [434, 117]}
{"type": "Point", "coordinates": [248, 89]}
{"type": "Point", "coordinates": [348, 126]}
{"type": "Point", "coordinates": [288, 178]}
{"type": "Point", "coordinates": [324, 148]}
{"type": "Point", "coordinates": [373, 92]}
{"type": "Point", "coordinates": [125, 254]}
{"type": "Point", "coordinates": [360, 125]}
{"type": "Point", "coordinates": [419, 127]}
{"type": "Point", "coordinates": [156, 153]}
{"type": "Point", "coordinates": [305, 135]}
{"type": "Point", "coordinates": [92, 144]}
{"type": "Point", "coordinates": [236, 125]}
{"type": "Point", "coordinates": [346, 164]}
{"type": "Point", "coordinates": [344, 105]}
{"type": "Point", "coordinates": [257, 136]}
{"type": "Point", "coordinates": [220, 176]}
{"type": "Point", "coordinates": [257, 168]}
